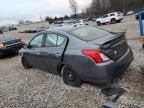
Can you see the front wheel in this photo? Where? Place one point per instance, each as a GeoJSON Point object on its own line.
{"type": "Point", "coordinates": [118, 21]}
{"type": "Point", "coordinates": [70, 77]}
{"type": "Point", "coordinates": [1, 54]}
{"type": "Point", "coordinates": [25, 64]}
{"type": "Point", "coordinates": [113, 21]}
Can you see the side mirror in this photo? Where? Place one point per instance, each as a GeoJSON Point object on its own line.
{"type": "Point", "coordinates": [31, 46]}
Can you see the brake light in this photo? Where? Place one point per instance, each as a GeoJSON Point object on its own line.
{"type": "Point", "coordinates": [96, 55]}
{"type": "Point", "coordinates": [2, 45]}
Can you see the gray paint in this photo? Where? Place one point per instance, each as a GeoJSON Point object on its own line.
{"type": "Point", "coordinates": [72, 56]}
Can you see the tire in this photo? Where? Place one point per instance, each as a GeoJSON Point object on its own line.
{"type": "Point", "coordinates": [1, 55]}
{"type": "Point", "coordinates": [70, 77]}
{"type": "Point", "coordinates": [113, 21]}
{"type": "Point", "coordinates": [118, 21]}
{"type": "Point", "coordinates": [98, 23]}
{"type": "Point", "coordinates": [137, 18]}
{"type": "Point", "coordinates": [25, 64]}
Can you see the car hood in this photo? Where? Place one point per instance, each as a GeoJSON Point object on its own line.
{"type": "Point", "coordinates": [4, 38]}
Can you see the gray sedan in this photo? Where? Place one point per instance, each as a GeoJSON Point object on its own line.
{"type": "Point", "coordinates": [81, 53]}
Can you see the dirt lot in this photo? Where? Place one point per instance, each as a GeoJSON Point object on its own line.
{"type": "Point", "coordinates": [35, 88]}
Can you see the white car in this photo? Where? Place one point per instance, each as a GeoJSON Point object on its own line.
{"type": "Point", "coordinates": [130, 13]}
{"type": "Point", "coordinates": [114, 17]}
{"type": "Point", "coordinates": [80, 22]}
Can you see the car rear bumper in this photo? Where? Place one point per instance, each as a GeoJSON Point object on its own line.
{"type": "Point", "coordinates": [11, 49]}
{"type": "Point", "coordinates": [108, 71]}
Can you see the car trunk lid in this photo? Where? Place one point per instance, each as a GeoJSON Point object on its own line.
{"type": "Point", "coordinates": [113, 45]}
{"type": "Point", "coordinates": [8, 40]}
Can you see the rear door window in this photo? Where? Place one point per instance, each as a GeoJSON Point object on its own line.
{"type": "Point", "coordinates": [54, 40]}
{"type": "Point", "coordinates": [112, 14]}
{"type": "Point", "coordinates": [51, 40]}
{"type": "Point", "coordinates": [60, 40]}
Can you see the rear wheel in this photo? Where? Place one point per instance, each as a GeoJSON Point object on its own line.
{"type": "Point", "coordinates": [113, 21]}
{"type": "Point", "coordinates": [98, 23]}
{"type": "Point", "coordinates": [1, 55]}
{"type": "Point", "coordinates": [70, 77]}
{"type": "Point", "coordinates": [118, 21]}
{"type": "Point", "coordinates": [25, 64]}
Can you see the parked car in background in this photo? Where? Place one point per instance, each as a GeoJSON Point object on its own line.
{"type": "Point", "coordinates": [12, 27]}
{"type": "Point", "coordinates": [75, 22]}
{"type": "Point", "coordinates": [29, 31]}
{"type": "Point", "coordinates": [81, 53]}
{"type": "Point", "coordinates": [95, 17]}
{"type": "Point", "coordinates": [89, 19]}
{"type": "Point", "coordinates": [114, 17]}
{"type": "Point", "coordinates": [10, 44]}
{"type": "Point", "coordinates": [58, 22]}
{"type": "Point", "coordinates": [80, 22]}
{"type": "Point", "coordinates": [54, 26]}
{"type": "Point", "coordinates": [33, 30]}
{"type": "Point", "coordinates": [83, 19]}
{"type": "Point", "coordinates": [71, 21]}
{"type": "Point", "coordinates": [8, 28]}
{"type": "Point", "coordinates": [130, 13]}
{"type": "Point", "coordinates": [137, 15]}
{"type": "Point", "coordinates": [125, 13]}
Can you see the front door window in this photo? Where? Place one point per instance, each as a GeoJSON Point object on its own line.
{"type": "Point", "coordinates": [37, 41]}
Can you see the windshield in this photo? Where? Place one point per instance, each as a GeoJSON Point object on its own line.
{"type": "Point", "coordinates": [88, 33]}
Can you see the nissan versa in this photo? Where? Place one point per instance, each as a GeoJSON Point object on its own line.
{"type": "Point", "coordinates": [79, 53]}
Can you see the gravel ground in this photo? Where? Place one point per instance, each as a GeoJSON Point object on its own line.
{"type": "Point", "coordinates": [38, 89]}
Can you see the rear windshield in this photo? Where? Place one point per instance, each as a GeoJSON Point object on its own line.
{"type": "Point", "coordinates": [88, 33]}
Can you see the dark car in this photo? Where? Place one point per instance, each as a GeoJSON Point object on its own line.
{"type": "Point", "coordinates": [11, 28]}
{"type": "Point", "coordinates": [10, 44]}
{"type": "Point", "coordinates": [137, 15]}
{"type": "Point", "coordinates": [29, 31]}
{"type": "Point", "coordinates": [79, 54]}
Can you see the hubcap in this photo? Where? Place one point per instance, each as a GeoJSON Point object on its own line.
{"type": "Point", "coordinates": [113, 21]}
{"type": "Point", "coordinates": [69, 76]}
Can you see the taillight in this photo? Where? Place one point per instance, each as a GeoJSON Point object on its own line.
{"type": "Point", "coordinates": [96, 55]}
{"type": "Point", "coordinates": [2, 45]}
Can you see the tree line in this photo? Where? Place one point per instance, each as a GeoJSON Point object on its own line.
{"type": "Point", "coordinates": [106, 6]}
{"type": "Point", "coordinates": [99, 7]}
{"type": "Point", "coordinates": [74, 7]}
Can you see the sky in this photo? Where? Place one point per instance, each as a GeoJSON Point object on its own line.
{"type": "Point", "coordinates": [14, 10]}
